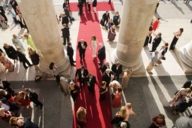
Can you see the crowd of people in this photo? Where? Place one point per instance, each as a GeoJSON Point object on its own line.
{"type": "Point", "coordinates": [12, 102]}
{"type": "Point", "coordinates": [158, 54]}
{"type": "Point", "coordinates": [110, 24]}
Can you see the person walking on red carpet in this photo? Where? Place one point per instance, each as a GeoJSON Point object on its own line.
{"type": "Point", "coordinates": [81, 75]}
{"type": "Point", "coordinates": [101, 55]}
{"type": "Point", "coordinates": [82, 45]}
{"type": "Point", "coordinates": [80, 6]}
{"type": "Point", "coordinates": [89, 4]}
{"type": "Point", "coordinates": [91, 81]}
{"type": "Point", "coordinates": [94, 4]}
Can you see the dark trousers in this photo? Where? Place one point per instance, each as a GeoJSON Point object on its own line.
{"type": "Point", "coordinates": [89, 6]}
{"type": "Point", "coordinates": [34, 98]}
{"type": "Point", "coordinates": [80, 8]}
{"type": "Point", "coordinates": [71, 60]}
{"type": "Point", "coordinates": [25, 62]}
{"type": "Point", "coordinates": [154, 47]}
{"type": "Point", "coordinates": [65, 38]}
{"type": "Point", "coordinates": [82, 55]}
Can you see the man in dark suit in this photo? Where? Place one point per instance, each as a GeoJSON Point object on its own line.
{"type": "Point", "coordinates": [107, 76]}
{"type": "Point", "coordinates": [23, 59]}
{"type": "Point", "coordinates": [104, 66]}
{"type": "Point", "coordinates": [148, 40]}
{"type": "Point", "coordinates": [106, 18]}
{"type": "Point", "coordinates": [117, 70]}
{"type": "Point", "coordinates": [91, 81]}
{"type": "Point", "coordinates": [101, 55]}
{"type": "Point", "coordinates": [65, 19]}
{"type": "Point", "coordinates": [70, 53]}
{"type": "Point", "coordinates": [82, 45]}
{"type": "Point", "coordinates": [81, 75]}
{"type": "Point", "coordinates": [80, 6]}
{"type": "Point", "coordinates": [156, 42]}
{"type": "Point", "coordinates": [33, 96]}
{"type": "Point", "coordinates": [65, 33]}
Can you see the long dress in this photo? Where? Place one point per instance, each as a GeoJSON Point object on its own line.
{"type": "Point", "coordinates": [94, 48]}
{"type": "Point", "coordinates": [155, 25]}
{"type": "Point", "coordinates": [116, 101]}
{"type": "Point", "coordinates": [111, 34]}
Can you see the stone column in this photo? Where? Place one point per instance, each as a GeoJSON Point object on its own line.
{"type": "Point", "coordinates": [185, 57]}
{"type": "Point", "coordinates": [136, 18]}
{"type": "Point", "coordinates": [41, 21]}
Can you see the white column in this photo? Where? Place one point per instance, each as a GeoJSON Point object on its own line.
{"type": "Point", "coordinates": [136, 18]}
{"type": "Point", "coordinates": [185, 56]}
{"type": "Point", "coordinates": [41, 21]}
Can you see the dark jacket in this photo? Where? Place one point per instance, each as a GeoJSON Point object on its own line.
{"type": "Point", "coordinates": [65, 31]}
{"type": "Point", "coordinates": [70, 51]}
{"type": "Point", "coordinates": [35, 58]}
{"type": "Point", "coordinates": [29, 124]}
{"type": "Point", "coordinates": [101, 53]}
{"type": "Point", "coordinates": [11, 52]}
{"type": "Point", "coordinates": [117, 70]}
{"type": "Point", "coordinates": [81, 75]}
{"type": "Point", "coordinates": [79, 46]}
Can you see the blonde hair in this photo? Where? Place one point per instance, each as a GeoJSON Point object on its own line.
{"type": "Point", "coordinates": [123, 112]}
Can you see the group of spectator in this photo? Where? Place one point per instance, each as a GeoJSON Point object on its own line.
{"type": "Point", "coordinates": [17, 53]}
{"type": "Point", "coordinates": [12, 102]}
{"type": "Point", "coordinates": [87, 5]}
{"type": "Point", "coordinates": [11, 7]}
{"type": "Point", "coordinates": [158, 55]}
{"type": "Point", "coordinates": [110, 24]}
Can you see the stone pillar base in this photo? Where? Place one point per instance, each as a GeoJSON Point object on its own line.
{"type": "Point", "coordinates": [180, 54]}
{"type": "Point", "coordinates": [137, 69]}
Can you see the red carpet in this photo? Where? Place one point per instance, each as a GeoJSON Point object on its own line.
{"type": "Point", "coordinates": [98, 113]}
{"type": "Point", "coordinates": [101, 6]}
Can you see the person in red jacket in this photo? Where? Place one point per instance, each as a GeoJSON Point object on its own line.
{"type": "Point", "coordinates": [155, 24]}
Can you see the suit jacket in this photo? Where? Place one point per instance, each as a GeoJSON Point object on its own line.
{"type": "Point", "coordinates": [107, 77]}
{"type": "Point", "coordinates": [116, 70]}
{"type": "Point", "coordinates": [65, 20]}
{"type": "Point", "coordinates": [156, 41]}
{"type": "Point", "coordinates": [91, 81]}
{"type": "Point", "coordinates": [101, 53]}
{"type": "Point", "coordinates": [11, 52]}
{"type": "Point", "coordinates": [148, 40]}
{"type": "Point", "coordinates": [106, 17]}
{"type": "Point", "coordinates": [103, 68]}
{"type": "Point", "coordinates": [80, 47]}
{"type": "Point", "coordinates": [81, 73]}
{"type": "Point", "coordinates": [70, 51]}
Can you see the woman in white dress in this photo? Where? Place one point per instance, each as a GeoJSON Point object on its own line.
{"type": "Point", "coordinates": [94, 46]}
